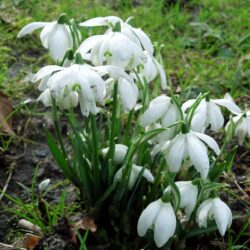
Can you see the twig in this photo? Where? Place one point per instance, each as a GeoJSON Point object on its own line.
{"type": "Point", "coordinates": [12, 167]}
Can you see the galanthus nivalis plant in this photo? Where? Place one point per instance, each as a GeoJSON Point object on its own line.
{"type": "Point", "coordinates": [142, 163]}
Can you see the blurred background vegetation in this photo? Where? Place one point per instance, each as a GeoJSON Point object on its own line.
{"type": "Point", "coordinates": [206, 43]}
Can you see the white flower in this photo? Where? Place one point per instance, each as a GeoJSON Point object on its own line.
{"type": "Point", "coordinates": [161, 108]}
{"type": "Point", "coordinates": [151, 69]}
{"type": "Point", "coordinates": [189, 193]}
{"type": "Point", "coordinates": [128, 93]}
{"type": "Point", "coordinates": [134, 34]}
{"type": "Point", "coordinates": [190, 146]}
{"type": "Point", "coordinates": [208, 113]}
{"type": "Point", "coordinates": [112, 48]}
{"type": "Point", "coordinates": [77, 83]}
{"type": "Point", "coordinates": [161, 217]}
{"type": "Point", "coordinates": [215, 209]}
{"type": "Point", "coordinates": [44, 185]}
{"type": "Point", "coordinates": [119, 154]}
{"type": "Point", "coordinates": [135, 171]}
{"type": "Point", "coordinates": [242, 123]}
{"type": "Point", "coordinates": [54, 36]}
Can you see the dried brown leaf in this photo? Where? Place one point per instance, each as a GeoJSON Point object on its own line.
{"type": "Point", "coordinates": [86, 223]}
{"type": "Point", "coordinates": [30, 241]}
{"type": "Point", "coordinates": [5, 110]}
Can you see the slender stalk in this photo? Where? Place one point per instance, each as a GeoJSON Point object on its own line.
{"type": "Point", "coordinates": [128, 126]}
{"type": "Point", "coordinates": [113, 123]}
{"type": "Point", "coordinates": [95, 145]}
{"type": "Point", "coordinates": [57, 127]}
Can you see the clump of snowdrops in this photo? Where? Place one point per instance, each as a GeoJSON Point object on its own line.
{"type": "Point", "coordinates": [141, 162]}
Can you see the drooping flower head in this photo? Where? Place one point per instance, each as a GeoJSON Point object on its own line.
{"type": "Point", "coordinates": [208, 113]}
{"type": "Point", "coordinates": [215, 209]}
{"type": "Point", "coordinates": [159, 216]}
{"type": "Point", "coordinates": [190, 146]}
{"type": "Point", "coordinates": [189, 193]}
{"type": "Point", "coordinates": [55, 36]}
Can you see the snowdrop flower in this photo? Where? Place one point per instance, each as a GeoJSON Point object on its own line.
{"type": "Point", "coordinates": [189, 193]}
{"type": "Point", "coordinates": [134, 34]}
{"type": "Point", "coordinates": [112, 48]}
{"type": "Point", "coordinates": [128, 93]}
{"type": "Point", "coordinates": [119, 154]}
{"type": "Point", "coordinates": [215, 209]}
{"type": "Point", "coordinates": [135, 171]}
{"type": "Point", "coordinates": [190, 145]}
{"type": "Point", "coordinates": [208, 113]}
{"type": "Point", "coordinates": [55, 36]}
{"type": "Point", "coordinates": [151, 69]}
{"type": "Point", "coordinates": [161, 217]}
{"type": "Point", "coordinates": [77, 83]}
{"type": "Point", "coordinates": [44, 185]}
{"type": "Point", "coordinates": [242, 123]}
{"type": "Point", "coordinates": [161, 108]}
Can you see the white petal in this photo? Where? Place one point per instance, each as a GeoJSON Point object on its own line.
{"type": "Point", "coordinates": [45, 34]}
{"type": "Point", "coordinates": [209, 141]}
{"type": "Point", "coordinates": [222, 215]}
{"type": "Point", "coordinates": [145, 41]}
{"type": "Point", "coordinates": [203, 212]}
{"type": "Point", "coordinates": [186, 105]}
{"type": "Point", "coordinates": [229, 104]}
{"type": "Point", "coordinates": [60, 41]}
{"type": "Point", "coordinates": [215, 117]}
{"type": "Point", "coordinates": [101, 21]}
{"type": "Point", "coordinates": [147, 217]}
{"type": "Point", "coordinates": [88, 44]}
{"type": "Point", "coordinates": [45, 71]}
{"type": "Point", "coordinates": [198, 154]}
{"type": "Point", "coordinates": [162, 75]}
{"type": "Point", "coordinates": [165, 224]}
{"type": "Point", "coordinates": [176, 152]}
{"type": "Point", "coordinates": [29, 28]}
{"type": "Point", "coordinates": [128, 93]}
{"type": "Point", "coordinates": [45, 98]}
{"type": "Point", "coordinates": [199, 120]}
{"type": "Point", "coordinates": [189, 193]}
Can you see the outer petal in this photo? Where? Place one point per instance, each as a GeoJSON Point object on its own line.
{"type": "Point", "coordinates": [145, 41]}
{"type": "Point", "coordinates": [45, 71]}
{"type": "Point", "coordinates": [199, 120]}
{"type": "Point", "coordinates": [153, 113]}
{"type": "Point", "coordinates": [198, 154]}
{"type": "Point", "coordinates": [45, 98]}
{"type": "Point", "coordinates": [209, 141]}
{"type": "Point", "coordinates": [147, 217]}
{"type": "Point", "coordinates": [215, 117]}
{"type": "Point", "coordinates": [203, 212]}
{"type": "Point", "coordinates": [45, 34]}
{"type": "Point", "coordinates": [114, 72]}
{"type": "Point", "coordinates": [176, 152]}
{"type": "Point", "coordinates": [189, 193]}
{"type": "Point", "coordinates": [162, 75]}
{"type": "Point", "coordinates": [228, 103]}
{"type": "Point", "coordinates": [165, 224]}
{"type": "Point", "coordinates": [222, 215]}
{"type": "Point", "coordinates": [186, 105]}
{"type": "Point", "coordinates": [128, 93]}
{"type": "Point", "coordinates": [60, 41]}
{"type": "Point", "coordinates": [29, 28]}
{"type": "Point", "coordinates": [101, 21]}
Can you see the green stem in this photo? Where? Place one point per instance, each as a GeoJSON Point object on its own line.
{"type": "Point", "coordinates": [128, 126]}
{"type": "Point", "coordinates": [57, 127]}
{"type": "Point", "coordinates": [113, 123]}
